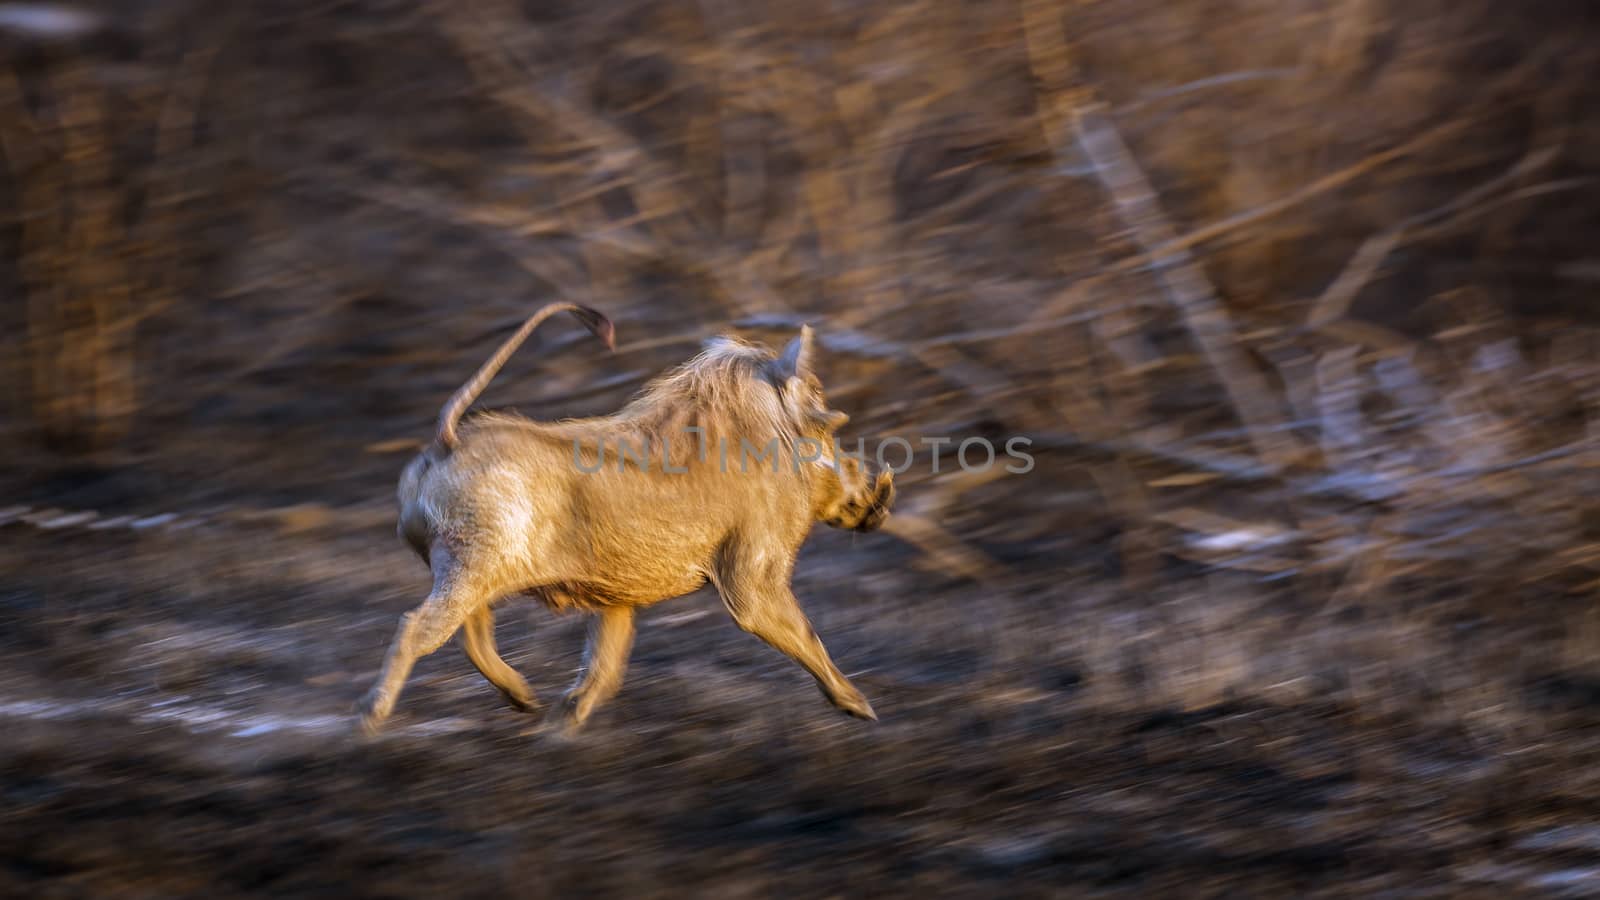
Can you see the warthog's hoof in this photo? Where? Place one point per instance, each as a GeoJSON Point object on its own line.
{"type": "Point", "coordinates": [565, 720]}
{"type": "Point", "coordinates": [523, 703]}
{"type": "Point", "coordinates": [857, 707]}
{"type": "Point", "coordinates": [370, 713]}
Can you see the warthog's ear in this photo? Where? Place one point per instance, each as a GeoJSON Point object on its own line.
{"type": "Point", "coordinates": [796, 358]}
{"type": "Point", "coordinates": [831, 419]}
{"type": "Point", "coordinates": [791, 371]}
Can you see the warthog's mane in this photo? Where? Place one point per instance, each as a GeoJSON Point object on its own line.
{"type": "Point", "coordinates": [724, 391]}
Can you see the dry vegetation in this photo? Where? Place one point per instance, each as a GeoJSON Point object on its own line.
{"type": "Point", "coordinates": [1294, 300]}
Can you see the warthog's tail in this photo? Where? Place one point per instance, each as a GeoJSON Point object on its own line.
{"type": "Point", "coordinates": [467, 393]}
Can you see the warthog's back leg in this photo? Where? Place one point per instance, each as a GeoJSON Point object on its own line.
{"type": "Point", "coordinates": [422, 631]}
{"type": "Point", "coordinates": [762, 604]}
{"type": "Point", "coordinates": [605, 660]}
{"type": "Point", "coordinates": [477, 639]}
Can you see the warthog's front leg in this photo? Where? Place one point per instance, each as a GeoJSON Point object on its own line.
{"type": "Point", "coordinates": [762, 603]}
{"type": "Point", "coordinates": [477, 639]}
{"type": "Point", "coordinates": [605, 661]}
{"type": "Point", "coordinates": [422, 631]}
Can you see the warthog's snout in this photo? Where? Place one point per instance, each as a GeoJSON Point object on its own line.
{"type": "Point", "coordinates": [878, 502]}
{"type": "Point", "coordinates": [863, 505]}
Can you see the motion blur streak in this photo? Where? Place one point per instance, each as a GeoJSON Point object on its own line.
{"type": "Point", "coordinates": [1293, 302]}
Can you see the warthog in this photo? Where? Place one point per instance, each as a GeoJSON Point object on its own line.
{"type": "Point", "coordinates": [715, 472]}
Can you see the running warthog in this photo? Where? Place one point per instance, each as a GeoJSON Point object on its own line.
{"type": "Point", "coordinates": [717, 472]}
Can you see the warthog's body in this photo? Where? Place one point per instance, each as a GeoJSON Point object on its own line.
{"type": "Point", "coordinates": [609, 514]}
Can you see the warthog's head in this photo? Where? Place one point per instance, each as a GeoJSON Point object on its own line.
{"type": "Point", "coordinates": [843, 493]}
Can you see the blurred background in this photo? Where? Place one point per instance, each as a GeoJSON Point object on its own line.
{"type": "Point", "coordinates": [1294, 300]}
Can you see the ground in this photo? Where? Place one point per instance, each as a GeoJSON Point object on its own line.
{"type": "Point", "coordinates": [177, 709]}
